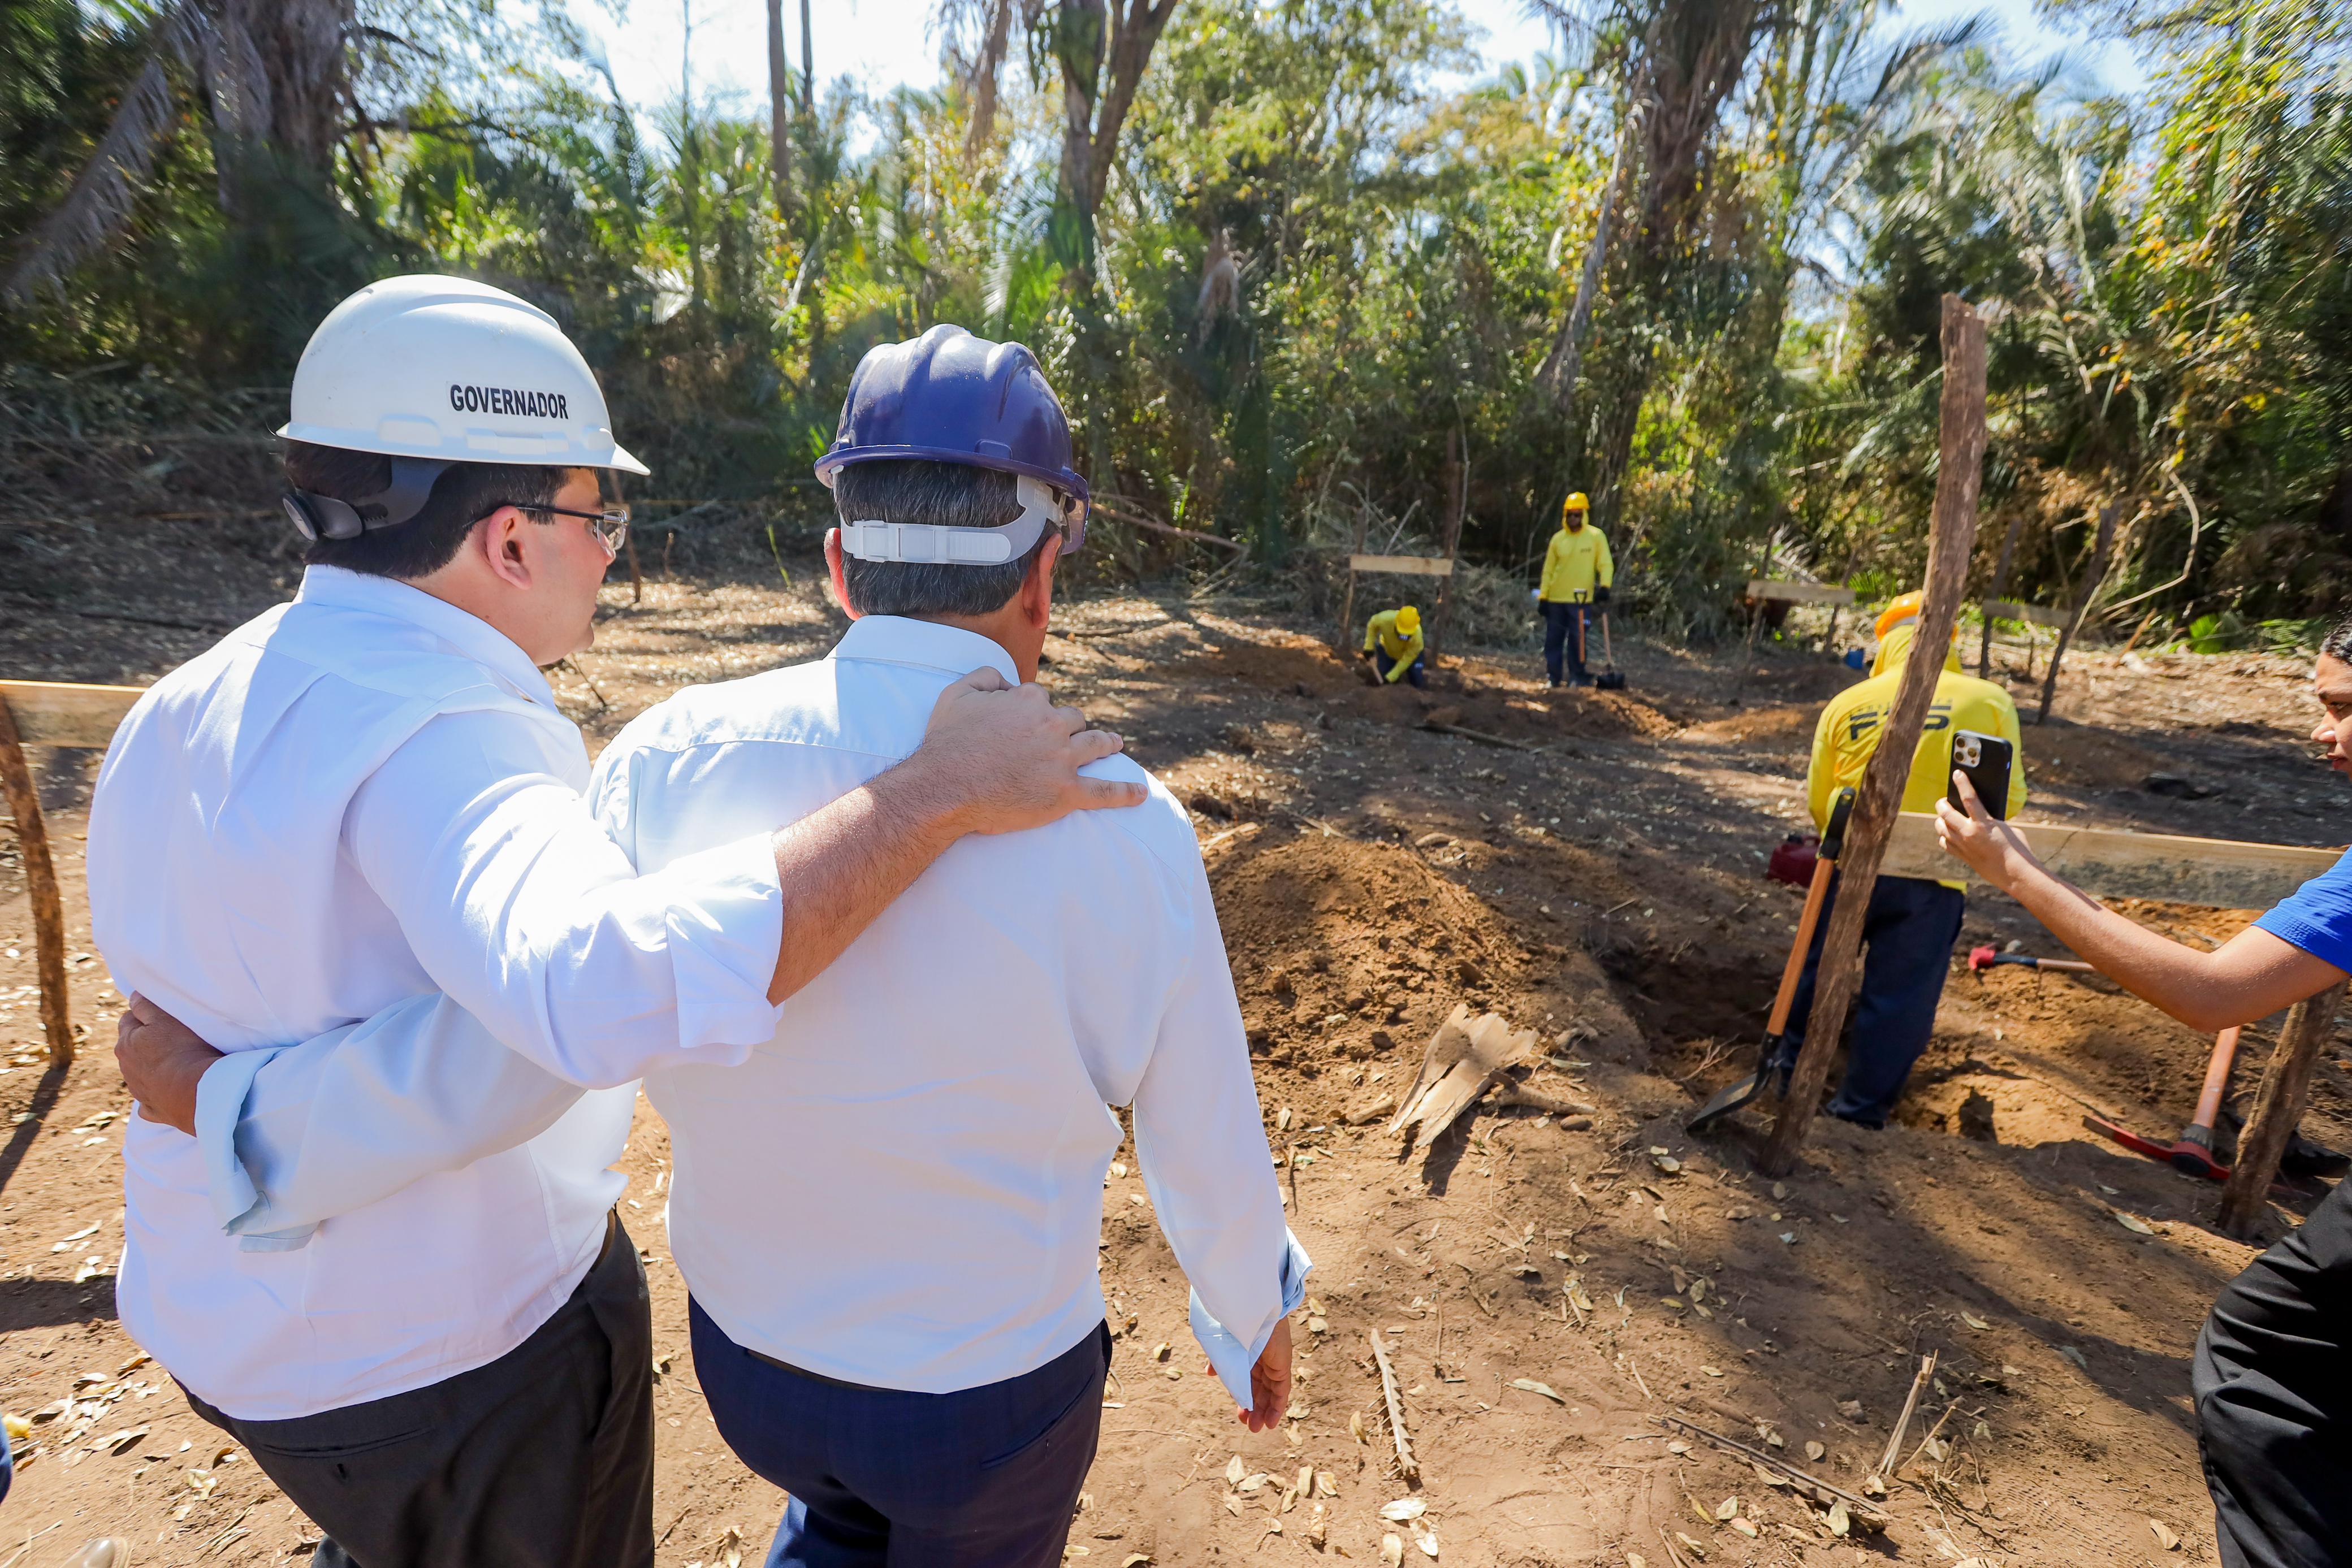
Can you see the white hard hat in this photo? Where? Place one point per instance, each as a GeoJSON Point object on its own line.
{"type": "Point", "coordinates": [448, 369]}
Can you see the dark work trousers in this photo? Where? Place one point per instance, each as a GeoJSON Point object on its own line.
{"type": "Point", "coordinates": [1566, 629]}
{"type": "Point", "coordinates": [543, 1458]}
{"type": "Point", "coordinates": [2273, 1381]}
{"type": "Point", "coordinates": [984, 1477]}
{"type": "Point", "coordinates": [1383, 665]}
{"type": "Point", "coordinates": [1907, 951]}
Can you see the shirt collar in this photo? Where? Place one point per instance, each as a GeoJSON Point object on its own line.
{"type": "Point", "coordinates": [928, 644]}
{"type": "Point", "coordinates": [339, 587]}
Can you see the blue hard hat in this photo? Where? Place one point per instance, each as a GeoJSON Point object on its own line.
{"type": "Point", "coordinates": [950, 397]}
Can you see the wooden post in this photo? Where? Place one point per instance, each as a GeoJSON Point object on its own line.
{"type": "Point", "coordinates": [1347, 599]}
{"type": "Point", "coordinates": [1458, 502]}
{"type": "Point", "coordinates": [2278, 1106]}
{"type": "Point", "coordinates": [41, 886]}
{"type": "Point", "coordinates": [2000, 583]}
{"type": "Point", "coordinates": [1951, 538]}
{"type": "Point", "coordinates": [2091, 580]}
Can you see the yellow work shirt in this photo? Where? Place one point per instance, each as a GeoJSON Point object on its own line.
{"type": "Point", "coordinates": [1574, 563]}
{"type": "Point", "coordinates": [1848, 734]}
{"type": "Point", "coordinates": [1401, 650]}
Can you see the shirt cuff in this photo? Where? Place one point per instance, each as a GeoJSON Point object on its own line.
{"type": "Point", "coordinates": [220, 1106]}
{"type": "Point", "coordinates": [1230, 1355]}
{"type": "Point", "coordinates": [724, 941]}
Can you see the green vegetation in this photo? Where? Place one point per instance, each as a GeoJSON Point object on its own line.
{"type": "Point", "coordinates": [1284, 266]}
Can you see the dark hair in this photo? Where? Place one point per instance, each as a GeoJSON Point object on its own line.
{"type": "Point", "coordinates": [463, 495]}
{"type": "Point", "coordinates": [2338, 645]}
{"type": "Point", "coordinates": [945, 495]}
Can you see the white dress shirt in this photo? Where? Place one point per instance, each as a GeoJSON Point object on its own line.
{"type": "Point", "coordinates": [902, 1188]}
{"type": "Point", "coordinates": [363, 797]}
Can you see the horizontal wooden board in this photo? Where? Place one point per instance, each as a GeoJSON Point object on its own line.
{"type": "Point", "coordinates": [2040, 615]}
{"type": "Point", "coordinates": [1403, 565]}
{"type": "Point", "coordinates": [1798, 592]}
{"type": "Point", "coordinates": [2219, 873]}
{"type": "Point", "coordinates": [50, 713]}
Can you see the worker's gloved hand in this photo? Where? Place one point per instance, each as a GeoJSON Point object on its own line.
{"type": "Point", "coordinates": [1600, 595]}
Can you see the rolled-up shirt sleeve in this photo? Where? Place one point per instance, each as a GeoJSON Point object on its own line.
{"type": "Point", "coordinates": [524, 912]}
{"type": "Point", "coordinates": [1200, 1141]}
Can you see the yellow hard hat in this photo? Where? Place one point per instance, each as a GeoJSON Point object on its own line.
{"type": "Point", "coordinates": [1901, 608]}
{"type": "Point", "coordinates": [1409, 621]}
{"type": "Point", "coordinates": [1575, 503]}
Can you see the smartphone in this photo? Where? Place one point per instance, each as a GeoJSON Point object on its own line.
{"type": "Point", "coordinates": [1986, 759]}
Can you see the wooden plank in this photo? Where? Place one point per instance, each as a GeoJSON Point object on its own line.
{"type": "Point", "coordinates": [1403, 565]}
{"type": "Point", "coordinates": [2037, 614]}
{"type": "Point", "coordinates": [52, 713]}
{"type": "Point", "coordinates": [1951, 540]}
{"type": "Point", "coordinates": [2106, 862]}
{"type": "Point", "coordinates": [41, 886]}
{"type": "Point", "coordinates": [2278, 1106]}
{"type": "Point", "coordinates": [1798, 592]}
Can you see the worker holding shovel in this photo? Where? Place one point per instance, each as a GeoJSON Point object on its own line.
{"type": "Point", "coordinates": [1577, 573]}
{"type": "Point", "coordinates": [2273, 1406]}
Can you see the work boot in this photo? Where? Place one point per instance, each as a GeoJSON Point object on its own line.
{"type": "Point", "coordinates": [1582, 681]}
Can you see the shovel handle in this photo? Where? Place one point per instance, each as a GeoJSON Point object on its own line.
{"type": "Point", "coordinates": [2217, 1077]}
{"type": "Point", "coordinates": [1816, 894]}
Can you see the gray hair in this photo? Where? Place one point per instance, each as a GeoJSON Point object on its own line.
{"type": "Point", "coordinates": [944, 494]}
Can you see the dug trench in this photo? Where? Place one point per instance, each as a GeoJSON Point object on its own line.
{"type": "Point", "coordinates": [1551, 1287]}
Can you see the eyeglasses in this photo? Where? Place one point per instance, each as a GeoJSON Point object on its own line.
{"type": "Point", "coordinates": [611, 526]}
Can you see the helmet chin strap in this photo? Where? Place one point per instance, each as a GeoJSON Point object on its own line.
{"type": "Point", "coordinates": [931, 543]}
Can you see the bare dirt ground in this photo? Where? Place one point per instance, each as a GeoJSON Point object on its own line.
{"type": "Point", "coordinates": [1604, 888]}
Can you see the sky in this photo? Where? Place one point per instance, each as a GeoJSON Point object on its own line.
{"type": "Point", "coordinates": [887, 43]}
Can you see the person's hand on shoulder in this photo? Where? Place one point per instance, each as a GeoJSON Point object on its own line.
{"type": "Point", "coordinates": [1991, 847]}
{"type": "Point", "coordinates": [1007, 758]}
{"type": "Point", "coordinates": [163, 1061]}
{"type": "Point", "coordinates": [1270, 1383]}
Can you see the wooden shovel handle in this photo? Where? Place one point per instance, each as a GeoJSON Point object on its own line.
{"type": "Point", "coordinates": [2217, 1077]}
{"type": "Point", "coordinates": [1816, 894]}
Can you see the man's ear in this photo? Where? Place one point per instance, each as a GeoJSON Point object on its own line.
{"type": "Point", "coordinates": [833, 570]}
{"type": "Point", "coordinates": [503, 538]}
{"type": "Point", "coordinates": [1038, 583]}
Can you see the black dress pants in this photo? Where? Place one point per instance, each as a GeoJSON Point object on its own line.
{"type": "Point", "coordinates": [543, 1458]}
{"type": "Point", "coordinates": [2273, 1381]}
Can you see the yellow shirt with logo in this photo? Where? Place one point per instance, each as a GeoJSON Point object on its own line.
{"type": "Point", "coordinates": [1401, 648]}
{"type": "Point", "coordinates": [1848, 734]}
{"type": "Point", "coordinates": [1574, 564]}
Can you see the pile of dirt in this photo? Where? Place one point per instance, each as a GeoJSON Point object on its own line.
{"type": "Point", "coordinates": [1341, 949]}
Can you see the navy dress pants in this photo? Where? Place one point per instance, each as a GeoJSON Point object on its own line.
{"type": "Point", "coordinates": [879, 1478]}
{"type": "Point", "coordinates": [1565, 630]}
{"type": "Point", "coordinates": [1906, 940]}
{"type": "Point", "coordinates": [2273, 1381]}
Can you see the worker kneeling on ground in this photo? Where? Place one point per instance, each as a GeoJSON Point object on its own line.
{"type": "Point", "coordinates": [1912, 922]}
{"type": "Point", "coordinates": [1392, 643]}
{"type": "Point", "coordinates": [888, 1216]}
{"type": "Point", "coordinates": [1577, 573]}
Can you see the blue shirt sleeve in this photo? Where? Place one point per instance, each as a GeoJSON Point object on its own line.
{"type": "Point", "coordinates": [2317, 916]}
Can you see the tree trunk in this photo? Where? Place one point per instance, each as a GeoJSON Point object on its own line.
{"type": "Point", "coordinates": [780, 113]}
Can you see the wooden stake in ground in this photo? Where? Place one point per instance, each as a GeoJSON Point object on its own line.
{"type": "Point", "coordinates": [41, 886]}
{"type": "Point", "coordinates": [1458, 502]}
{"type": "Point", "coordinates": [2278, 1106]}
{"type": "Point", "coordinates": [1903, 1422]}
{"type": "Point", "coordinates": [2091, 580]}
{"type": "Point", "coordinates": [1407, 1466]}
{"type": "Point", "coordinates": [1951, 537]}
